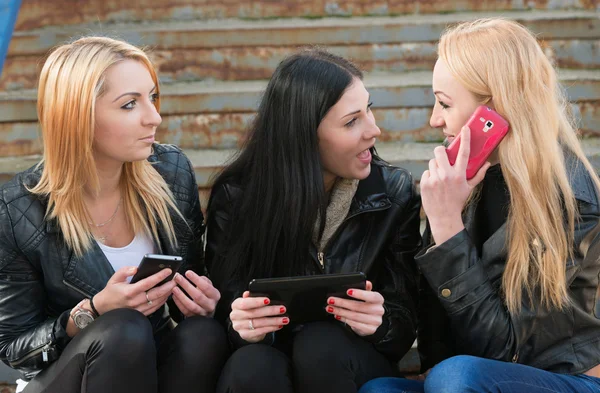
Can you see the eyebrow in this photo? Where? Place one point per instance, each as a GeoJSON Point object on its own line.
{"type": "Point", "coordinates": [133, 93]}
{"type": "Point", "coordinates": [441, 92]}
{"type": "Point", "coordinates": [356, 111]}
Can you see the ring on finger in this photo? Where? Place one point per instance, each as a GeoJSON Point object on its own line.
{"type": "Point", "coordinates": [250, 324]}
{"type": "Point", "coordinates": [148, 299]}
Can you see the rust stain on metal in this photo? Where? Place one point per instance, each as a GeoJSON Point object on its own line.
{"type": "Point", "coordinates": [19, 139]}
{"type": "Point", "coordinates": [38, 13]}
{"type": "Point", "coordinates": [248, 63]}
{"type": "Point", "coordinates": [588, 115]}
{"type": "Point", "coordinates": [204, 131]}
{"type": "Point", "coordinates": [20, 72]}
{"type": "Point", "coordinates": [198, 36]}
{"type": "Point", "coordinates": [251, 63]}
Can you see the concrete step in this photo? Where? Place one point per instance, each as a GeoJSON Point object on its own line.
{"type": "Point", "coordinates": [214, 115]}
{"type": "Point", "coordinates": [39, 13]}
{"type": "Point", "coordinates": [243, 50]}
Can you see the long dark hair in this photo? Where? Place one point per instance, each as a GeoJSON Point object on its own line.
{"type": "Point", "coordinates": [279, 170]}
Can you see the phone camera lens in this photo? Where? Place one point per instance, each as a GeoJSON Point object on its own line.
{"type": "Point", "coordinates": [489, 124]}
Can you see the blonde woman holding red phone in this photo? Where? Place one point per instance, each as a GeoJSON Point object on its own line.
{"type": "Point", "coordinates": [510, 269]}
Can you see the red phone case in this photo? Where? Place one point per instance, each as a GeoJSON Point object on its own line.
{"type": "Point", "coordinates": [488, 129]}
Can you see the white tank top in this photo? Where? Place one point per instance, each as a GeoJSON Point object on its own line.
{"type": "Point", "coordinates": [131, 254]}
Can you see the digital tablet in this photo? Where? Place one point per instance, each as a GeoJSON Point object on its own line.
{"type": "Point", "coordinates": [305, 297]}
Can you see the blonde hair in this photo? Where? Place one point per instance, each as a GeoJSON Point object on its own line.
{"type": "Point", "coordinates": [500, 60]}
{"type": "Point", "coordinates": [72, 79]}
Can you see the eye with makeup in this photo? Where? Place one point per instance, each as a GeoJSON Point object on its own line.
{"type": "Point", "coordinates": [443, 105]}
{"type": "Point", "coordinates": [131, 104]}
{"type": "Point", "coordinates": [352, 122]}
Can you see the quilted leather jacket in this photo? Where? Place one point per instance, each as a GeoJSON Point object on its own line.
{"type": "Point", "coordinates": [41, 280]}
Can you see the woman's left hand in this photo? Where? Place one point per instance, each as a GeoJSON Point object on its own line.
{"type": "Point", "coordinates": [363, 315]}
{"type": "Point", "coordinates": [203, 296]}
{"type": "Point", "coordinates": [445, 189]}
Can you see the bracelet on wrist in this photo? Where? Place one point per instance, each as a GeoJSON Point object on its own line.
{"type": "Point", "coordinates": [94, 307]}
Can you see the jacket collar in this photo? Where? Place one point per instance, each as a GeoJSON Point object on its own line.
{"type": "Point", "coordinates": [371, 193]}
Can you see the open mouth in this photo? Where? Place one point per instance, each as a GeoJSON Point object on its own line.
{"type": "Point", "coordinates": [448, 140]}
{"type": "Point", "coordinates": [365, 156]}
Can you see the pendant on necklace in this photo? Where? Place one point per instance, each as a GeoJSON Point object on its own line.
{"type": "Point", "coordinates": [102, 239]}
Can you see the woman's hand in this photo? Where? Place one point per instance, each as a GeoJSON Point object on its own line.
{"type": "Point", "coordinates": [253, 318]}
{"type": "Point", "coordinates": [445, 189]}
{"type": "Point", "coordinates": [141, 296]}
{"type": "Point", "coordinates": [202, 297]}
{"type": "Point", "coordinates": [363, 315]}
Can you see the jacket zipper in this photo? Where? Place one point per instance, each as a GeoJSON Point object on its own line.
{"type": "Point", "coordinates": [42, 349]}
{"type": "Point", "coordinates": [81, 291]}
{"type": "Point", "coordinates": [515, 358]}
{"type": "Point", "coordinates": [321, 253]}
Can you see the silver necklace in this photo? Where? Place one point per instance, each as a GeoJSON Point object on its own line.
{"type": "Point", "coordinates": [111, 217]}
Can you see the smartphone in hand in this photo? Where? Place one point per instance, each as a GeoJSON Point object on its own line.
{"type": "Point", "coordinates": [154, 263]}
{"type": "Point", "coordinates": [488, 129]}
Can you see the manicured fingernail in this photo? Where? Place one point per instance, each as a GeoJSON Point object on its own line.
{"type": "Point", "coordinates": [177, 276]}
{"type": "Point", "coordinates": [285, 321]}
{"type": "Point", "coordinates": [338, 317]}
{"type": "Point", "coordinates": [267, 301]}
{"type": "Point", "coordinates": [329, 309]}
{"type": "Point", "coordinates": [331, 301]}
{"type": "Point", "coordinates": [280, 326]}
{"type": "Point", "coordinates": [281, 310]}
{"type": "Point", "coordinates": [350, 292]}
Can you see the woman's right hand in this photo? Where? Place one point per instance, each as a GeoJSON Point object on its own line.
{"type": "Point", "coordinates": [254, 312]}
{"type": "Point", "coordinates": [119, 293]}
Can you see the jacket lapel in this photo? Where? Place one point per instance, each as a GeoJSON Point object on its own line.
{"type": "Point", "coordinates": [89, 273]}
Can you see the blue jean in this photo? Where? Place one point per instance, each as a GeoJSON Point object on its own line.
{"type": "Point", "coordinates": [468, 374]}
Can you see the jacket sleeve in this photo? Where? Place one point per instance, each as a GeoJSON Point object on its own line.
{"type": "Point", "coordinates": [434, 335]}
{"type": "Point", "coordinates": [397, 282]}
{"type": "Point", "coordinates": [29, 340]}
{"type": "Point", "coordinates": [217, 229]}
{"type": "Point", "coordinates": [480, 321]}
{"type": "Point", "coordinates": [195, 221]}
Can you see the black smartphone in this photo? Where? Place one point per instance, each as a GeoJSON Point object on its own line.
{"type": "Point", "coordinates": [305, 297]}
{"type": "Point", "coordinates": [154, 263]}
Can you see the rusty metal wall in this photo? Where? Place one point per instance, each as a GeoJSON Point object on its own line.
{"type": "Point", "coordinates": [41, 13]}
{"type": "Point", "coordinates": [247, 63]}
{"type": "Point", "coordinates": [227, 130]}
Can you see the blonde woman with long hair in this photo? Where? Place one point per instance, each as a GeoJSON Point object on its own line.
{"type": "Point", "coordinates": [510, 276]}
{"type": "Point", "coordinates": [74, 228]}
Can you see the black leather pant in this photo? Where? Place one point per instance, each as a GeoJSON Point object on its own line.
{"type": "Point", "coordinates": [117, 354]}
{"type": "Point", "coordinates": [325, 357]}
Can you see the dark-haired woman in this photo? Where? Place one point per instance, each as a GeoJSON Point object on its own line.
{"type": "Point", "coordinates": [308, 195]}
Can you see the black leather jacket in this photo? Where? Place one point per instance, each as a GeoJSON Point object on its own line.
{"type": "Point", "coordinates": [379, 237]}
{"type": "Point", "coordinates": [41, 279]}
{"type": "Point", "coordinates": [462, 311]}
